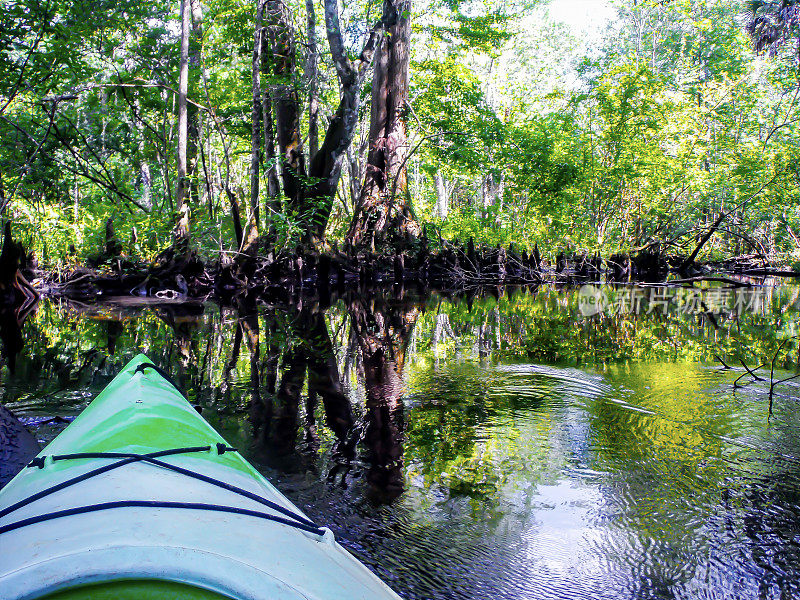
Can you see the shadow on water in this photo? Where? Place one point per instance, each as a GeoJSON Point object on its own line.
{"type": "Point", "coordinates": [494, 446]}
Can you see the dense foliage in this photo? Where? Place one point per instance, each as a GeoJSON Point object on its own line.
{"type": "Point", "coordinates": [681, 112]}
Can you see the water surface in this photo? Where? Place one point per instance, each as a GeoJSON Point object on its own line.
{"type": "Point", "coordinates": [517, 446]}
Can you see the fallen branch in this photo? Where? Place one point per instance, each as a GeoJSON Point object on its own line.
{"type": "Point", "coordinates": [725, 365]}
{"type": "Point", "coordinates": [756, 377]}
{"type": "Point", "coordinates": [749, 372]}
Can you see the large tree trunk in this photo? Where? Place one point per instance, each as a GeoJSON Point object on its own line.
{"type": "Point", "coordinates": [384, 205]}
{"type": "Point", "coordinates": [326, 166]}
{"type": "Point", "coordinates": [181, 232]}
{"type": "Point", "coordinates": [287, 103]}
{"type": "Point", "coordinates": [273, 182]}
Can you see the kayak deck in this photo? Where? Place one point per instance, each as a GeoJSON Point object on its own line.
{"type": "Point", "coordinates": [140, 489]}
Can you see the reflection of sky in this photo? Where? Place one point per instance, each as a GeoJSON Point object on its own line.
{"type": "Point", "coordinates": [563, 525]}
{"type": "Point", "coordinates": [564, 513]}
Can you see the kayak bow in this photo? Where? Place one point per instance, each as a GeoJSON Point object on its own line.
{"type": "Point", "coordinates": [139, 498]}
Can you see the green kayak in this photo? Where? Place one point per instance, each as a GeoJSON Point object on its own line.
{"type": "Point", "coordinates": [139, 498]}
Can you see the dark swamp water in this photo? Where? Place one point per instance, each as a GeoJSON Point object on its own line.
{"type": "Point", "coordinates": [556, 444]}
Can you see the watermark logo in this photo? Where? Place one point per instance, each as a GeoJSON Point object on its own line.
{"type": "Point", "coordinates": [592, 301]}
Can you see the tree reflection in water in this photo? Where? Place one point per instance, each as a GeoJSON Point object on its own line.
{"type": "Point", "coordinates": [309, 373]}
{"type": "Point", "coordinates": [382, 331]}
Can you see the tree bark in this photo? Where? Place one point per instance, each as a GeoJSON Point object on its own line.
{"type": "Point", "coordinates": [268, 154]}
{"type": "Point", "coordinates": [354, 165]}
{"type": "Point", "coordinates": [194, 124]}
{"type": "Point", "coordinates": [273, 182]}
{"type": "Point", "coordinates": [3, 199]}
{"type": "Point", "coordinates": [384, 204]}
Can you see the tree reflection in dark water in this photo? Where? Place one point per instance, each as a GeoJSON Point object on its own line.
{"type": "Point", "coordinates": [770, 528]}
{"type": "Point", "coordinates": [11, 342]}
{"type": "Point", "coordinates": [17, 445]}
{"type": "Point", "coordinates": [382, 331]}
{"type": "Point", "coordinates": [309, 363]}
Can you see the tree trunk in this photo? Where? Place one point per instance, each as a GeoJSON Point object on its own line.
{"type": "Point", "coordinates": [273, 182]}
{"type": "Point", "coordinates": [287, 103]}
{"type": "Point", "coordinates": [326, 166]}
{"type": "Point", "coordinates": [194, 124]}
{"type": "Point", "coordinates": [311, 78]}
{"type": "Point", "coordinates": [181, 232]}
{"type": "Point", "coordinates": [384, 205]}
{"type": "Point", "coordinates": [256, 130]}
{"type": "Point", "coordinates": [354, 165]}
{"type": "Point", "coordinates": [3, 199]}
{"type": "Point", "coordinates": [441, 196]}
